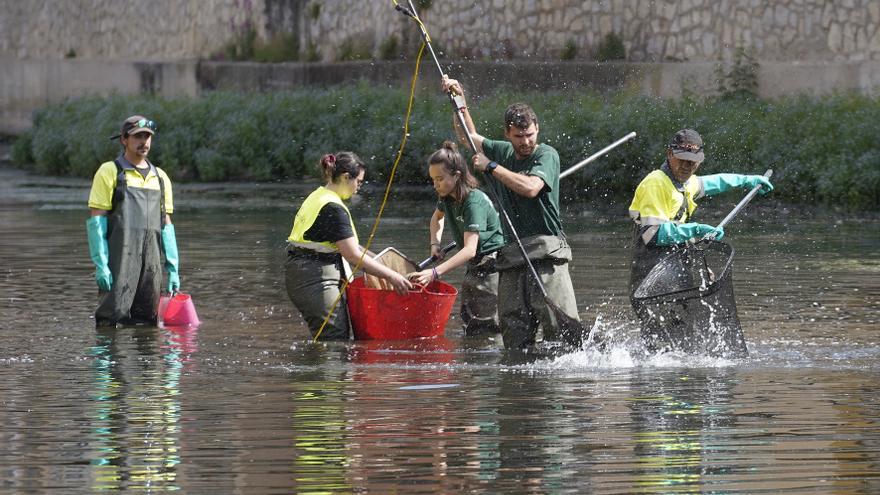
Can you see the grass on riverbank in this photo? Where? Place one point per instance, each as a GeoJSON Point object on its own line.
{"type": "Point", "coordinates": [821, 149]}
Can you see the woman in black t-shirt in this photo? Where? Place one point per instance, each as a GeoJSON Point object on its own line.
{"type": "Point", "coordinates": [323, 238]}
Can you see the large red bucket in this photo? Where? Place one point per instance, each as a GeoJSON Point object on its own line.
{"type": "Point", "coordinates": [385, 314]}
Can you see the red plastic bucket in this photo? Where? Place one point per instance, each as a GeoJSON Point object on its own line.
{"type": "Point", "coordinates": [180, 311]}
{"type": "Point", "coordinates": [385, 314]}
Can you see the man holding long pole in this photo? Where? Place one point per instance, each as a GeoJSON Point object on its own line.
{"type": "Point", "coordinates": [661, 210]}
{"type": "Point", "coordinates": [525, 179]}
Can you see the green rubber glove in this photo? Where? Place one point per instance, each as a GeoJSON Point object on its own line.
{"type": "Point", "coordinates": [96, 228]}
{"type": "Point", "coordinates": [670, 233]}
{"type": "Point", "coordinates": [718, 183]}
{"type": "Point", "coordinates": [169, 242]}
{"type": "Point", "coordinates": [754, 180]}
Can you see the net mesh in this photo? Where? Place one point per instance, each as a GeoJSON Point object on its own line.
{"type": "Point", "coordinates": [686, 302]}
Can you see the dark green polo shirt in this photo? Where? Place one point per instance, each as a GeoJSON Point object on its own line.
{"type": "Point", "coordinates": [475, 214]}
{"type": "Point", "coordinates": [530, 216]}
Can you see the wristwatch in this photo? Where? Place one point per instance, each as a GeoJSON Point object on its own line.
{"type": "Point", "coordinates": [491, 167]}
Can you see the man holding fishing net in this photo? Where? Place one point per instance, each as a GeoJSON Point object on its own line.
{"type": "Point", "coordinates": [523, 176]}
{"type": "Point", "coordinates": [663, 235]}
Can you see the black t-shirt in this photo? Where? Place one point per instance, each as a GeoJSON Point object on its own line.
{"type": "Point", "coordinates": [332, 225]}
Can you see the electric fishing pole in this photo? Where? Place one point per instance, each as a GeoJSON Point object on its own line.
{"type": "Point", "coordinates": [369, 242]}
{"type": "Point", "coordinates": [456, 100]}
{"type": "Point", "coordinates": [566, 322]}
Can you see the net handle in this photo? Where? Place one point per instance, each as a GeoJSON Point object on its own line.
{"type": "Point", "coordinates": [743, 202]}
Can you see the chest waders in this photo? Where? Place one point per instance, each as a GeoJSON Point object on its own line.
{"type": "Point", "coordinates": [315, 272]}
{"type": "Point", "coordinates": [134, 240]}
{"type": "Point", "coordinates": [644, 259]}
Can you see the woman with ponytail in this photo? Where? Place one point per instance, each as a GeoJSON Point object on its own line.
{"type": "Point", "coordinates": [323, 236]}
{"type": "Point", "coordinates": [476, 229]}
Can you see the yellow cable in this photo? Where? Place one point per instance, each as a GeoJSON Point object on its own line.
{"type": "Point", "coordinates": [418, 21]}
{"type": "Point", "coordinates": [412, 92]}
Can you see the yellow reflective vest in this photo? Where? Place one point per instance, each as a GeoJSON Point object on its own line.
{"type": "Point", "coordinates": [657, 200]}
{"type": "Point", "coordinates": [306, 217]}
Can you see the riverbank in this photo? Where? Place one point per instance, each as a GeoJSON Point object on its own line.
{"type": "Point", "coordinates": [823, 150]}
{"type": "Point", "coordinates": [23, 188]}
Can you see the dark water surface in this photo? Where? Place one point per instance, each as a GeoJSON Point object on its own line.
{"type": "Point", "coordinates": [247, 404]}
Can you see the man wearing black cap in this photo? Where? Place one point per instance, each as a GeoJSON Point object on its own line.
{"type": "Point", "coordinates": [130, 229]}
{"type": "Point", "coordinates": [663, 204]}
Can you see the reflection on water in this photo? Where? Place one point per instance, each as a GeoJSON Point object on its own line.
{"type": "Point", "coordinates": [136, 421]}
{"type": "Point", "coordinates": [247, 404]}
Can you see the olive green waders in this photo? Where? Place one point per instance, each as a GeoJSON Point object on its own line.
{"type": "Point", "coordinates": [653, 331]}
{"type": "Point", "coordinates": [479, 297]}
{"type": "Point", "coordinates": [521, 305]}
{"type": "Point", "coordinates": [313, 281]}
{"type": "Point", "coordinates": [134, 241]}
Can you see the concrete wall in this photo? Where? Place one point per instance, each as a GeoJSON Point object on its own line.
{"type": "Point", "coordinates": [26, 85]}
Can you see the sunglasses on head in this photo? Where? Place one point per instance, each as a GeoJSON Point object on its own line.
{"type": "Point", "coordinates": [143, 124]}
{"type": "Point", "coordinates": [691, 148]}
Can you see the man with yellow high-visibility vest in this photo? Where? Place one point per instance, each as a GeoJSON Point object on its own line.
{"type": "Point", "coordinates": [130, 233]}
{"type": "Point", "coordinates": [662, 207]}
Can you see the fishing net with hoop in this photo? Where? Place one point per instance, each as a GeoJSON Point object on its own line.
{"type": "Point", "coordinates": [686, 302]}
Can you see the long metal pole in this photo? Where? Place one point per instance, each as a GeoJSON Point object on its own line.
{"type": "Point", "coordinates": [574, 168]}
{"type": "Point", "coordinates": [739, 206]}
{"type": "Point", "coordinates": [745, 200]}
{"type": "Point", "coordinates": [491, 191]}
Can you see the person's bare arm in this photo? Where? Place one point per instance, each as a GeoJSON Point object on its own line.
{"type": "Point", "coordinates": [352, 251]}
{"type": "Point", "coordinates": [527, 186]}
{"type": "Point", "coordinates": [438, 221]}
{"type": "Point", "coordinates": [468, 251]}
{"type": "Point", "coordinates": [454, 87]}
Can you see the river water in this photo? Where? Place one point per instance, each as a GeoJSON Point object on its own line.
{"type": "Point", "coordinates": [247, 404]}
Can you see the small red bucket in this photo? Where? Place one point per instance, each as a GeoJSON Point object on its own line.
{"type": "Point", "coordinates": [163, 305]}
{"type": "Point", "coordinates": [179, 311]}
{"type": "Point", "coordinates": [385, 314]}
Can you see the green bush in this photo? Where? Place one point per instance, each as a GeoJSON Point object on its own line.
{"type": "Point", "coordinates": [821, 149]}
{"type": "Point", "coordinates": [569, 51]}
{"type": "Point", "coordinates": [242, 44]}
{"type": "Point", "coordinates": [312, 53]}
{"type": "Point", "coordinates": [611, 48]}
{"type": "Point", "coordinates": [389, 49]}
{"type": "Point", "coordinates": [352, 49]}
{"type": "Point", "coordinates": [21, 149]}
{"type": "Point", "coordinates": [281, 47]}
{"type": "Point", "coordinates": [741, 80]}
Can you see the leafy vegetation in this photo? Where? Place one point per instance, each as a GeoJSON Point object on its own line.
{"type": "Point", "coordinates": [740, 81]}
{"type": "Point", "coordinates": [611, 48]}
{"type": "Point", "coordinates": [352, 49]}
{"type": "Point", "coordinates": [821, 149]}
{"type": "Point", "coordinates": [389, 49]}
{"type": "Point", "coordinates": [569, 51]}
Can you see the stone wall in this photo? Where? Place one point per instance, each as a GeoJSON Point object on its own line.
{"type": "Point", "coordinates": [652, 30]}
{"type": "Point", "coordinates": [120, 29]}
{"type": "Point", "coordinates": [51, 50]}
{"type": "Point", "coordinates": [663, 30]}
